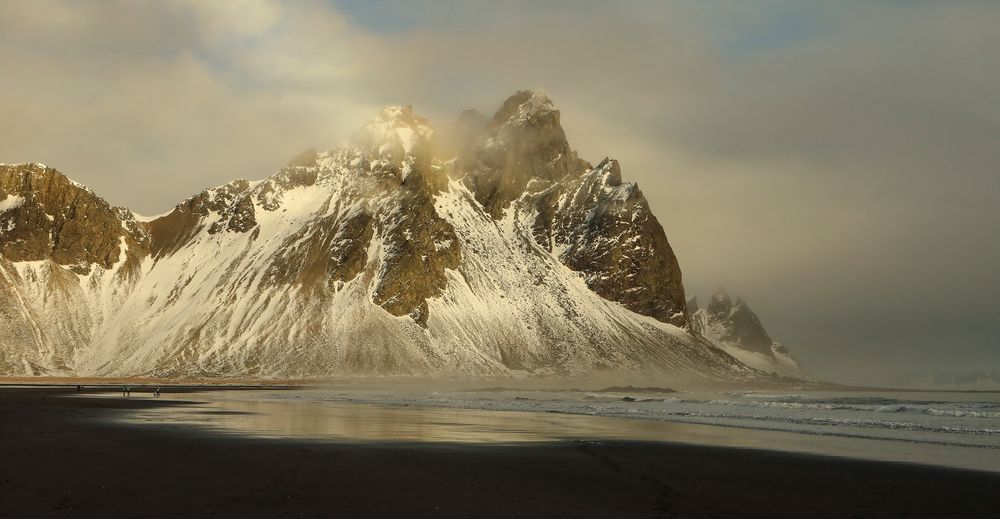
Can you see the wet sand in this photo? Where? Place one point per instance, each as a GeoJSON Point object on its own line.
{"type": "Point", "coordinates": [61, 457]}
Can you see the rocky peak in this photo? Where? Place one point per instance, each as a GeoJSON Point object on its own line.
{"type": "Point", "coordinates": [45, 215]}
{"type": "Point", "coordinates": [528, 123]}
{"type": "Point", "coordinates": [525, 109]}
{"type": "Point", "coordinates": [735, 328]}
{"type": "Point", "coordinates": [720, 306]}
{"type": "Point", "coordinates": [733, 323]}
{"type": "Point", "coordinates": [606, 230]}
{"type": "Point", "coordinates": [612, 173]}
{"type": "Point", "coordinates": [397, 132]}
{"type": "Point", "coordinates": [524, 141]}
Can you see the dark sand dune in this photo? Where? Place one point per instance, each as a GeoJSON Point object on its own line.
{"type": "Point", "coordinates": [59, 459]}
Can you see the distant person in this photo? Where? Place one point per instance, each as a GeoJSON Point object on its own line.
{"type": "Point", "coordinates": [79, 389]}
{"type": "Point", "coordinates": [156, 393]}
{"type": "Point", "coordinates": [124, 391]}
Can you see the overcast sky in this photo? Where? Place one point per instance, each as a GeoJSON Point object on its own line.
{"type": "Point", "coordinates": [835, 163]}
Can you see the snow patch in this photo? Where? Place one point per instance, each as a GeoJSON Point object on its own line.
{"type": "Point", "coordinates": [142, 218]}
{"type": "Point", "coordinates": [11, 202]}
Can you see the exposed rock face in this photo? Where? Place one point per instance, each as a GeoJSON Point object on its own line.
{"type": "Point", "coordinates": [523, 142]}
{"type": "Point", "coordinates": [739, 324]}
{"type": "Point", "coordinates": [735, 328]}
{"type": "Point", "coordinates": [507, 254]}
{"type": "Point", "coordinates": [605, 229]}
{"type": "Point", "coordinates": [593, 222]}
{"type": "Point", "coordinates": [418, 246]}
{"type": "Point", "coordinates": [45, 215]}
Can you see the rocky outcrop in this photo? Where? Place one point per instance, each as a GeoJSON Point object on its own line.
{"type": "Point", "coordinates": [738, 323]}
{"type": "Point", "coordinates": [735, 328]}
{"type": "Point", "coordinates": [44, 215]}
{"type": "Point", "coordinates": [523, 142]}
{"type": "Point", "coordinates": [587, 216]}
{"type": "Point", "coordinates": [386, 193]}
{"type": "Point", "coordinates": [418, 246]}
{"type": "Point", "coordinates": [605, 229]}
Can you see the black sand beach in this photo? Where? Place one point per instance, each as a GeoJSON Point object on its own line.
{"type": "Point", "coordinates": [57, 460]}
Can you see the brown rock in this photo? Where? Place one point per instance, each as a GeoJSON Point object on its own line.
{"type": "Point", "coordinates": [62, 221]}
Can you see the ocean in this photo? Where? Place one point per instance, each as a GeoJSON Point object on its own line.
{"type": "Point", "coordinates": [957, 429]}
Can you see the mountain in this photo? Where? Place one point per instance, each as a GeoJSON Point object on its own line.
{"type": "Point", "coordinates": [497, 252]}
{"type": "Point", "coordinates": [736, 329]}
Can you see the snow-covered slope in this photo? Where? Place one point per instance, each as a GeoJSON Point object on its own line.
{"type": "Point", "coordinates": [736, 329]}
{"type": "Point", "coordinates": [513, 256]}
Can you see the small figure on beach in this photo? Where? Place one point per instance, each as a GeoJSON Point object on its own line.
{"type": "Point", "coordinates": [124, 391]}
{"type": "Point", "coordinates": [79, 389]}
{"type": "Point", "coordinates": [156, 393]}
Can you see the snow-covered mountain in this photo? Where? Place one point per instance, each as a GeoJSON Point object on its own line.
{"type": "Point", "coordinates": [496, 252]}
{"type": "Point", "coordinates": [736, 329]}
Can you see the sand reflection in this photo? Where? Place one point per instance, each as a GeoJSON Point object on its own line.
{"type": "Point", "coordinates": [365, 422]}
{"type": "Point", "coordinates": [259, 414]}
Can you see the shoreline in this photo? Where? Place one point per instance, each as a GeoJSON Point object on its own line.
{"type": "Point", "coordinates": [258, 417]}
{"type": "Point", "coordinates": [71, 456]}
{"type": "Point", "coordinates": [524, 384]}
{"type": "Point", "coordinates": [101, 382]}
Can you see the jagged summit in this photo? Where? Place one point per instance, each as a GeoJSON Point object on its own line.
{"type": "Point", "coordinates": [523, 142]}
{"type": "Point", "coordinates": [741, 326]}
{"type": "Point", "coordinates": [44, 214]}
{"type": "Point", "coordinates": [734, 327]}
{"type": "Point", "coordinates": [526, 120]}
{"type": "Point", "coordinates": [394, 128]}
{"type": "Point", "coordinates": [503, 254]}
{"type": "Point", "coordinates": [526, 108]}
{"type": "Point", "coordinates": [721, 297]}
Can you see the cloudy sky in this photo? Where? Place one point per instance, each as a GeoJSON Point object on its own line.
{"type": "Point", "coordinates": [835, 163]}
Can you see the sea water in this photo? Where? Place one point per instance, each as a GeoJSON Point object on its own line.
{"type": "Point", "coordinates": [960, 429]}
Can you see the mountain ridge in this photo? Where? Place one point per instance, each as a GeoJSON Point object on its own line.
{"type": "Point", "coordinates": [377, 257]}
